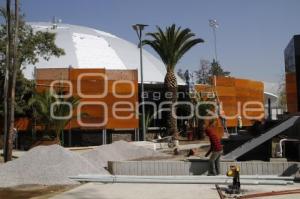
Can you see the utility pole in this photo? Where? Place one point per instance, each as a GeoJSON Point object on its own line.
{"type": "Point", "coordinates": [6, 80]}
{"type": "Point", "coordinates": [139, 28]}
{"type": "Point", "coordinates": [10, 80]}
{"type": "Point", "coordinates": [15, 68]}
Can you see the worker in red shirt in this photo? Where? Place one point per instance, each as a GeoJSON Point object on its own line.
{"type": "Point", "coordinates": [216, 149]}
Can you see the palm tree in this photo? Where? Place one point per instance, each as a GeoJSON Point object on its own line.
{"type": "Point", "coordinates": [171, 45]}
{"type": "Point", "coordinates": [42, 103]}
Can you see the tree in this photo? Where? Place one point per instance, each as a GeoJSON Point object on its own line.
{"type": "Point", "coordinates": [202, 75]}
{"type": "Point", "coordinates": [171, 44]}
{"type": "Point", "coordinates": [282, 103]}
{"type": "Point", "coordinates": [20, 45]}
{"type": "Point", "coordinates": [44, 102]}
{"type": "Point", "coordinates": [217, 70]}
{"type": "Point", "coordinates": [180, 74]}
{"type": "Point", "coordinates": [207, 70]}
{"type": "Point", "coordinates": [24, 91]}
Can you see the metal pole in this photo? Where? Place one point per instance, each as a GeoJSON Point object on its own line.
{"type": "Point", "coordinates": [174, 180]}
{"type": "Point", "coordinates": [269, 109]}
{"type": "Point", "coordinates": [136, 134]}
{"type": "Point", "coordinates": [103, 136]}
{"type": "Point", "coordinates": [215, 39]}
{"type": "Point", "coordinates": [139, 28]}
{"type": "Point", "coordinates": [142, 87]}
{"type": "Point", "coordinates": [214, 25]}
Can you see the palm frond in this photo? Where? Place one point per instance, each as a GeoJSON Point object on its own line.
{"type": "Point", "coordinates": [45, 103]}
{"type": "Point", "coordinates": [171, 44]}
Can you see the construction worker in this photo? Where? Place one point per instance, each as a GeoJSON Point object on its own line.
{"type": "Point", "coordinates": [216, 149]}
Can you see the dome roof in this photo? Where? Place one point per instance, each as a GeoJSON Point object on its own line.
{"type": "Point", "coordinates": [271, 90]}
{"type": "Point", "coordinates": [90, 48]}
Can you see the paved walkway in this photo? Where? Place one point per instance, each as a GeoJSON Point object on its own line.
{"type": "Point", "coordinates": [140, 191]}
{"type": "Point", "coordinates": [161, 191]}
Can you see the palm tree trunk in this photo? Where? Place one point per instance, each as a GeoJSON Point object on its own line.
{"type": "Point", "coordinates": [171, 89]}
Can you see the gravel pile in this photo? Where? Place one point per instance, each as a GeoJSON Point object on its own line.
{"type": "Point", "coordinates": [46, 165]}
{"type": "Point", "coordinates": [118, 151]}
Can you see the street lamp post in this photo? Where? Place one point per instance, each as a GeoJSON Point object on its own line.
{"type": "Point", "coordinates": [214, 25]}
{"type": "Point", "coordinates": [138, 29]}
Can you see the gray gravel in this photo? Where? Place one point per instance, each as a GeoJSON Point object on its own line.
{"type": "Point", "coordinates": [52, 165]}
{"type": "Point", "coordinates": [118, 151]}
{"type": "Point", "coordinates": [46, 165]}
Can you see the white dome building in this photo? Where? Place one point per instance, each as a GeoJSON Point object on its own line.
{"type": "Point", "coordinates": [90, 48]}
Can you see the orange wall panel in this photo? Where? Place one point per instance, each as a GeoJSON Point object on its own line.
{"type": "Point", "coordinates": [234, 92]}
{"type": "Point", "coordinates": [291, 92]}
{"type": "Point", "coordinates": [52, 74]}
{"type": "Point", "coordinates": [94, 84]}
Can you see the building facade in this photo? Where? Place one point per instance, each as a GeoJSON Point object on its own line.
{"type": "Point", "coordinates": [292, 74]}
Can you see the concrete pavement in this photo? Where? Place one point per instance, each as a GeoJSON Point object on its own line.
{"type": "Point", "coordinates": [162, 191]}
{"type": "Point", "coordinates": [138, 191]}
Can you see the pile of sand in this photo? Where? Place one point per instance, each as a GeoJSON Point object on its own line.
{"type": "Point", "coordinates": [118, 151]}
{"type": "Point", "coordinates": [47, 165]}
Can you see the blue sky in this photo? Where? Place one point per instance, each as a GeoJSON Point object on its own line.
{"type": "Point", "coordinates": [251, 37]}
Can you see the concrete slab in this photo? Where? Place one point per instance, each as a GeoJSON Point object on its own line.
{"type": "Point", "coordinates": [162, 191]}
{"type": "Point", "coordinates": [145, 191]}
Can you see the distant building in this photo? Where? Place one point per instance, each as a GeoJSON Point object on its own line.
{"type": "Point", "coordinates": [292, 72]}
{"type": "Point", "coordinates": [88, 48]}
{"type": "Point", "coordinates": [87, 51]}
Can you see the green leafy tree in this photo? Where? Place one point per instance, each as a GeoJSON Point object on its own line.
{"type": "Point", "coordinates": [24, 90]}
{"type": "Point", "coordinates": [207, 70]}
{"type": "Point", "coordinates": [25, 48]}
{"type": "Point", "coordinates": [171, 44]}
{"type": "Point", "coordinates": [217, 70]}
{"type": "Point", "coordinates": [31, 46]}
